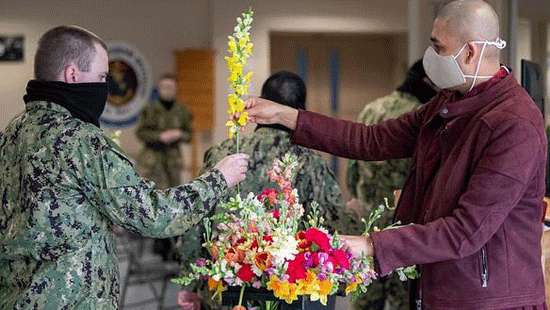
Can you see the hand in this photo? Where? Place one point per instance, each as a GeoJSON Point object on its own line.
{"type": "Point", "coordinates": [354, 206]}
{"type": "Point", "coordinates": [233, 168]}
{"type": "Point", "coordinates": [358, 245]}
{"type": "Point", "coordinates": [263, 111]}
{"type": "Point", "coordinates": [171, 135]}
{"type": "Point", "coordinates": [189, 300]}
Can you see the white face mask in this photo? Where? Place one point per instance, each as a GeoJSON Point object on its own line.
{"type": "Point", "coordinates": [445, 72]}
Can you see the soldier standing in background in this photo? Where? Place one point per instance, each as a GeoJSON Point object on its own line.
{"type": "Point", "coordinates": [163, 126]}
{"type": "Point", "coordinates": [370, 182]}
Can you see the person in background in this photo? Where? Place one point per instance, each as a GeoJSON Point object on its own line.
{"type": "Point", "coordinates": [64, 184]}
{"type": "Point", "coordinates": [370, 182]}
{"type": "Point", "coordinates": [163, 126]}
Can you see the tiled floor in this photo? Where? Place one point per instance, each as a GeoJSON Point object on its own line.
{"type": "Point", "coordinates": [137, 293]}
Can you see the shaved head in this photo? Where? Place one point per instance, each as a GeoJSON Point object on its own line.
{"type": "Point", "coordinates": [470, 20]}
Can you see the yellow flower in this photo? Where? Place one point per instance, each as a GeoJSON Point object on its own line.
{"type": "Point", "coordinates": [243, 41]}
{"type": "Point", "coordinates": [231, 45]}
{"type": "Point", "coordinates": [282, 289]}
{"type": "Point", "coordinates": [325, 288]}
{"type": "Point", "coordinates": [273, 284]}
{"type": "Point", "coordinates": [239, 48]}
{"type": "Point", "coordinates": [216, 287]}
{"type": "Point", "coordinates": [248, 48]}
{"type": "Point", "coordinates": [352, 287]}
{"type": "Point", "coordinates": [309, 285]}
{"type": "Point", "coordinates": [235, 104]}
{"type": "Point", "coordinates": [243, 119]}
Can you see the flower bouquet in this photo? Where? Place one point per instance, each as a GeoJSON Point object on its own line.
{"type": "Point", "coordinates": [265, 241]}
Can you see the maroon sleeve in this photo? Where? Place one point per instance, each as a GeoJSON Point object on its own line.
{"type": "Point", "coordinates": [513, 157]}
{"type": "Point", "coordinates": [391, 139]}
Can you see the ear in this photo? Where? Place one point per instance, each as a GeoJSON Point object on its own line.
{"type": "Point", "coordinates": [71, 74]}
{"type": "Point", "coordinates": [471, 51]}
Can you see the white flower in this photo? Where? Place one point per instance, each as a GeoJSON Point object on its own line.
{"type": "Point", "coordinates": [284, 247]}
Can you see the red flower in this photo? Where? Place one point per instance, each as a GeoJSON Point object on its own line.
{"type": "Point", "coordinates": [303, 244]}
{"type": "Point", "coordinates": [268, 239]}
{"type": "Point", "coordinates": [245, 273]}
{"type": "Point", "coordinates": [254, 244]}
{"type": "Point", "coordinates": [319, 238]}
{"type": "Point", "coordinates": [340, 258]}
{"type": "Point", "coordinates": [296, 269]}
{"type": "Point", "coordinates": [276, 214]}
{"type": "Point", "coordinates": [270, 195]}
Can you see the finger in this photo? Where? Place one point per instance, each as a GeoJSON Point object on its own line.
{"type": "Point", "coordinates": [241, 156]}
{"type": "Point", "coordinates": [250, 102]}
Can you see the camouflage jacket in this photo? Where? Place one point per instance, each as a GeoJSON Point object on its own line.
{"type": "Point", "coordinates": [314, 180]}
{"type": "Point", "coordinates": [157, 161]}
{"type": "Point", "coordinates": [371, 182]}
{"type": "Point", "coordinates": [63, 185]}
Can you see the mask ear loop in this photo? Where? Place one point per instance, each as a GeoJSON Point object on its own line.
{"type": "Point", "coordinates": [478, 66]}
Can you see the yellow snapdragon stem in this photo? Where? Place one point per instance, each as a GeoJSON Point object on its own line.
{"type": "Point", "coordinates": [238, 151]}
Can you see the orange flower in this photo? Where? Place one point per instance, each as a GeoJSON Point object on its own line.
{"type": "Point", "coordinates": [214, 252]}
{"type": "Point", "coordinates": [263, 260]}
{"type": "Point", "coordinates": [213, 284]}
{"type": "Point", "coordinates": [234, 255]}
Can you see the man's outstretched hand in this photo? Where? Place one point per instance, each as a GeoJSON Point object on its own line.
{"type": "Point", "coordinates": [233, 168]}
{"type": "Point", "coordinates": [358, 245]}
{"type": "Point", "coordinates": [263, 111]}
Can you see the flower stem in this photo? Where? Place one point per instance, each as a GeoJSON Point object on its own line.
{"type": "Point", "coordinates": [238, 151]}
{"type": "Point", "coordinates": [241, 296]}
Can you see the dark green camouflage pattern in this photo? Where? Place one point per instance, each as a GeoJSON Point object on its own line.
{"type": "Point", "coordinates": [64, 184]}
{"type": "Point", "coordinates": [163, 166]}
{"type": "Point", "coordinates": [314, 179]}
{"type": "Point", "coordinates": [370, 183]}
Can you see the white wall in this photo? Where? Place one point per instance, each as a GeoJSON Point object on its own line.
{"type": "Point", "coordinates": [156, 28]}
{"type": "Point", "coordinates": [294, 15]}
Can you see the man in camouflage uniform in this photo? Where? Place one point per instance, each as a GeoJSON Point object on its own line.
{"type": "Point", "coordinates": [64, 184]}
{"type": "Point", "coordinates": [314, 180]}
{"type": "Point", "coordinates": [163, 126]}
{"type": "Point", "coordinates": [371, 182]}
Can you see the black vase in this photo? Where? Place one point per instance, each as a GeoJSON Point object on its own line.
{"type": "Point", "coordinates": [260, 296]}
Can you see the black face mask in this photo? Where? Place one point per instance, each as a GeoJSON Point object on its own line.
{"type": "Point", "coordinates": [85, 101]}
{"type": "Point", "coordinates": [167, 104]}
